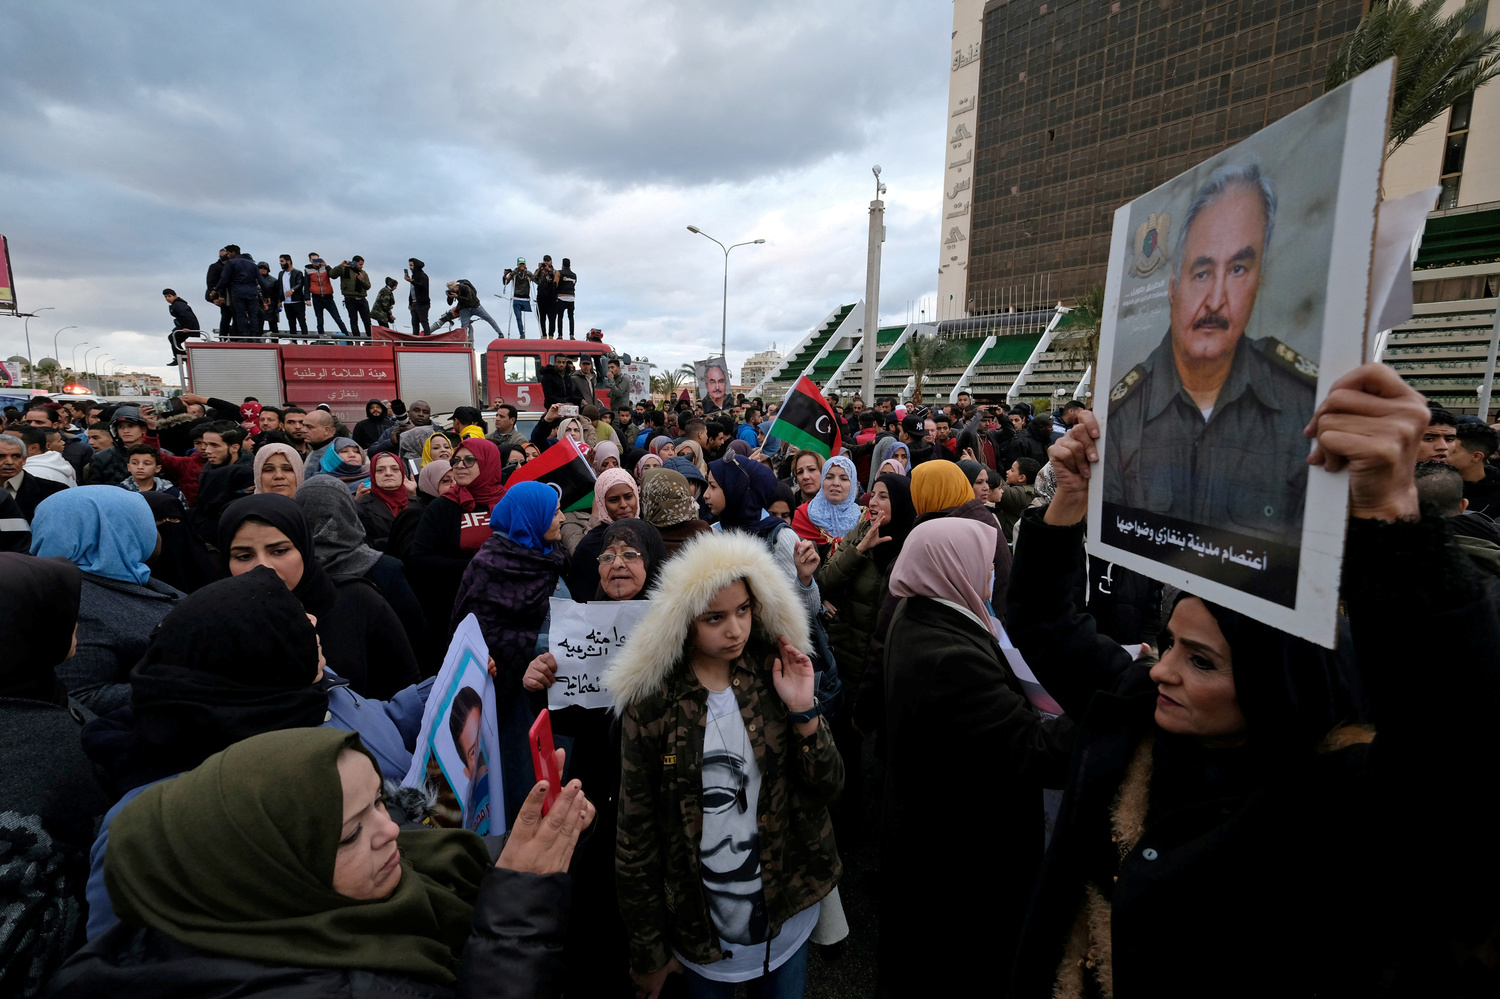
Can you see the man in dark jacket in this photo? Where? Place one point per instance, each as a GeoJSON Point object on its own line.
{"type": "Point", "coordinates": [270, 302]}
{"type": "Point", "coordinates": [108, 467]}
{"type": "Point", "coordinates": [293, 295]}
{"type": "Point", "coordinates": [225, 478]}
{"type": "Point", "coordinates": [27, 490]}
{"type": "Point", "coordinates": [419, 300]}
{"type": "Point", "coordinates": [239, 284]}
{"type": "Point", "coordinates": [354, 285]}
{"type": "Point", "coordinates": [555, 388]}
{"type": "Point", "coordinates": [184, 325]}
{"type": "Point", "coordinates": [581, 382]}
{"type": "Point", "coordinates": [213, 296]}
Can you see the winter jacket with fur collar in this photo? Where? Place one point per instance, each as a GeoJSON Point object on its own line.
{"type": "Point", "coordinates": [662, 897]}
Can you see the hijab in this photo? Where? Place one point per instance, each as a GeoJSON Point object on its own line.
{"type": "Point", "coordinates": [939, 485]}
{"type": "Point", "coordinates": [182, 560]}
{"type": "Point", "coordinates": [431, 474]}
{"type": "Point", "coordinates": [632, 458]}
{"type": "Point", "coordinates": [948, 560]}
{"type": "Point", "coordinates": [749, 487]}
{"type": "Point", "coordinates": [648, 461]}
{"type": "Point", "coordinates": [338, 533]}
{"type": "Point", "coordinates": [468, 433]}
{"type": "Point", "coordinates": [486, 489]}
{"type": "Point", "coordinates": [891, 466]}
{"type": "Point", "coordinates": [971, 470]}
{"type": "Point", "coordinates": [263, 454]}
{"type": "Point", "coordinates": [427, 446]}
{"type": "Point", "coordinates": [396, 499]}
{"type": "Point", "coordinates": [103, 530]}
{"type": "Point", "coordinates": [644, 538]}
{"type": "Point", "coordinates": [739, 447]}
{"type": "Point", "coordinates": [882, 453]}
{"type": "Point", "coordinates": [315, 590]}
{"type": "Point", "coordinates": [836, 520]}
{"type": "Point", "coordinates": [333, 463]}
{"type": "Point", "coordinates": [603, 450]}
{"type": "Point", "coordinates": [903, 516]}
{"type": "Point", "coordinates": [40, 596]}
{"type": "Point", "coordinates": [609, 479]}
{"type": "Point", "coordinates": [526, 513]}
{"type": "Point", "coordinates": [667, 499]}
{"type": "Point", "coordinates": [657, 443]}
{"type": "Point", "coordinates": [692, 449]}
{"type": "Point", "coordinates": [211, 678]}
{"type": "Point", "coordinates": [236, 858]}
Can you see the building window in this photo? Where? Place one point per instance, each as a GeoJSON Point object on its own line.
{"type": "Point", "coordinates": [1453, 151]}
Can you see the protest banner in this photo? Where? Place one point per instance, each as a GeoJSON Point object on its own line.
{"type": "Point", "coordinates": [458, 749]}
{"type": "Point", "coordinates": [583, 639]}
{"type": "Point", "coordinates": [1237, 293]}
{"type": "Point", "coordinates": [712, 376]}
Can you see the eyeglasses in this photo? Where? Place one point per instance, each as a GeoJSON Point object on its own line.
{"type": "Point", "coordinates": [608, 558]}
{"type": "Point", "coordinates": [467, 460]}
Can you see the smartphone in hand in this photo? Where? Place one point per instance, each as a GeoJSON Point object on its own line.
{"type": "Point", "coordinates": [544, 757]}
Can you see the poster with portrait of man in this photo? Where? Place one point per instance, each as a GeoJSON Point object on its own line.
{"type": "Point", "coordinates": [713, 384]}
{"type": "Point", "coordinates": [1237, 293]}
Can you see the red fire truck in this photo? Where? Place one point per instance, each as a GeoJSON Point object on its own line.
{"type": "Point", "coordinates": [391, 365]}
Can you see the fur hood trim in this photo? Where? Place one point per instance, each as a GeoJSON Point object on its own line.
{"type": "Point", "coordinates": [175, 421]}
{"type": "Point", "coordinates": [685, 587]}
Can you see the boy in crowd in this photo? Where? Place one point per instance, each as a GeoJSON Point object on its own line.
{"type": "Point", "coordinates": [145, 465]}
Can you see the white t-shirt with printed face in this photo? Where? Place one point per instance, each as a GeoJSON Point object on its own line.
{"type": "Point", "coordinates": [729, 852]}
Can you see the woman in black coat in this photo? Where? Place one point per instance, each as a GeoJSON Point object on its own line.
{"type": "Point", "coordinates": [1232, 827]}
{"type": "Point", "coordinates": [362, 638]}
{"type": "Point", "coordinates": [956, 715]}
{"type": "Point", "coordinates": [273, 869]}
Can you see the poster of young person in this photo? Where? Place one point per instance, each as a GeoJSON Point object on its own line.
{"type": "Point", "coordinates": [584, 639]}
{"type": "Point", "coordinates": [458, 750]}
{"type": "Point", "coordinates": [1237, 293]}
{"type": "Point", "coordinates": [713, 383]}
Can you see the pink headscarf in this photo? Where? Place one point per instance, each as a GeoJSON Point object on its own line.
{"type": "Point", "coordinates": [608, 479]}
{"type": "Point", "coordinates": [262, 454]}
{"type": "Point", "coordinates": [646, 461]}
{"type": "Point", "coordinates": [949, 560]}
{"type": "Point", "coordinates": [603, 450]}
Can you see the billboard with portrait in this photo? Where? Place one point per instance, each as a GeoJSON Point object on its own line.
{"type": "Point", "coordinates": [7, 285]}
{"type": "Point", "coordinates": [713, 384]}
{"type": "Point", "coordinates": [1236, 294]}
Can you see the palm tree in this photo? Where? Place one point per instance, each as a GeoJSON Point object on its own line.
{"type": "Point", "coordinates": [48, 369]}
{"type": "Point", "coordinates": [923, 353]}
{"type": "Point", "coordinates": [1078, 340]}
{"type": "Point", "coordinates": [668, 382]}
{"type": "Point", "coordinates": [1437, 59]}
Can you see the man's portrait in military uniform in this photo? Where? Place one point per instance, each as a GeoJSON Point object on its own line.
{"type": "Point", "coordinates": [1207, 428]}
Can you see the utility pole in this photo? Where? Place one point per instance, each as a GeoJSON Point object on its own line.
{"type": "Point", "coordinates": [869, 341]}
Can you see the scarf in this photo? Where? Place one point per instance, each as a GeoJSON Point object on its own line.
{"type": "Point", "coordinates": [749, 487]}
{"type": "Point", "coordinates": [971, 470]}
{"type": "Point", "coordinates": [885, 449]}
{"type": "Point", "coordinates": [667, 499]}
{"type": "Point", "coordinates": [338, 534]}
{"type": "Point", "coordinates": [939, 485]}
{"type": "Point", "coordinates": [950, 561]}
{"type": "Point", "coordinates": [182, 560]}
{"type": "Point", "coordinates": [836, 520]}
{"type": "Point", "coordinates": [642, 537]}
{"type": "Point", "coordinates": [525, 515]}
{"type": "Point", "coordinates": [262, 454]}
{"type": "Point", "coordinates": [609, 479]}
{"type": "Point", "coordinates": [486, 489]}
{"type": "Point", "coordinates": [903, 516]}
{"type": "Point", "coordinates": [334, 464]}
{"type": "Point", "coordinates": [648, 461]}
{"type": "Point", "coordinates": [40, 596]}
{"type": "Point", "coordinates": [431, 475]}
{"type": "Point", "coordinates": [427, 457]}
{"type": "Point", "coordinates": [396, 500]}
{"type": "Point", "coordinates": [315, 590]}
{"type": "Point", "coordinates": [602, 451]}
{"type": "Point", "coordinates": [103, 530]}
{"type": "Point", "coordinates": [694, 453]}
{"type": "Point", "coordinates": [657, 443]}
{"type": "Point", "coordinates": [236, 858]}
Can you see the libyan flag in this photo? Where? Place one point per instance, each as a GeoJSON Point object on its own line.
{"type": "Point", "coordinates": [806, 421]}
{"type": "Point", "coordinates": [563, 467]}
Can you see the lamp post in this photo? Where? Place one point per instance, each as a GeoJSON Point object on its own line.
{"type": "Point", "coordinates": [27, 324]}
{"type": "Point", "coordinates": [86, 365]}
{"type": "Point", "coordinates": [55, 351]}
{"type": "Point", "coordinates": [99, 373]}
{"type": "Point", "coordinates": [724, 318]}
{"type": "Point", "coordinates": [74, 366]}
{"type": "Point", "coordinates": [869, 339]}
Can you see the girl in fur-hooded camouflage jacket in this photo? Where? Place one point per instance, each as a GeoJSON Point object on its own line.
{"type": "Point", "coordinates": [724, 845]}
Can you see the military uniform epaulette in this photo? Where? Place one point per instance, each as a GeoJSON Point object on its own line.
{"type": "Point", "coordinates": [1285, 357]}
{"type": "Point", "coordinates": [1128, 384]}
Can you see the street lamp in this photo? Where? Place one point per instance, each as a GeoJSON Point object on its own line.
{"type": "Point", "coordinates": [724, 318]}
{"type": "Point", "coordinates": [29, 317]}
{"type": "Point", "coordinates": [99, 373]}
{"type": "Point", "coordinates": [86, 363]}
{"type": "Point", "coordinates": [74, 365]}
{"type": "Point", "coordinates": [55, 351]}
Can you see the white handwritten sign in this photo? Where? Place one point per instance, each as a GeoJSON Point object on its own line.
{"type": "Point", "coordinates": [583, 639]}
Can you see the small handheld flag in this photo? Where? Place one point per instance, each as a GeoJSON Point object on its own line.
{"type": "Point", "coordinates": [807, 422]}
{"type": "Point", "coordinates": [563, 467]}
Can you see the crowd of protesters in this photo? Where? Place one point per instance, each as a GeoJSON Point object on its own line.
{"type": "Point", "coordinates": [254, 297]}
{"type": "Point", "coordinates": [224, 622]}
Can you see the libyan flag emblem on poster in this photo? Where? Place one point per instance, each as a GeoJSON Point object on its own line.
{"type": "Point", "coordinates": [1150, 238]}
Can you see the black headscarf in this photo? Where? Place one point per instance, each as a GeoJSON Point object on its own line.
{"type": "Point", "coordinates": [315, 589]}
{"type": "Point", "coordinates": [903, 518]}
{"type": "Point", "coordinates": [645, 539]}
{"type": "Point", "coordinates": [40, 596]}
{"type": "Point", "coordinates": [237, 658]}
{"type": "Point", "coordinates": [749, 487]}
{"type": "Point", "coordinates": [971, 469]}
{"type": "Point", "coordinates": [181, 561]}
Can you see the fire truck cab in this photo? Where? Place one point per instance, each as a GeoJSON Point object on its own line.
{"type": "Point", "coordinates": [513, 369]}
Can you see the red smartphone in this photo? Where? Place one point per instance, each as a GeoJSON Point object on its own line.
{"type": "Point", "coordinates": [544, 758]}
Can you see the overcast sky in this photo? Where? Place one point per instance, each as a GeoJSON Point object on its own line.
{"type": "Point", "coordinates": [141, 137]}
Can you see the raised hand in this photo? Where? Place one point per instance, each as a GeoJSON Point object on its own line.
{"type": "Point", "coordinates": [792, 675]}
{"type": "Point", "coordinates": [1073, 458]}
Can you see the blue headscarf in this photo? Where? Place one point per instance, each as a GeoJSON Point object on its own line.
{"type": "Point", "coordinates": [836, 520]}
{"type": "Point", "coordinates": [334, 464]}
{"type": "Point", "coordinates": [525, 513]}
{"type": "Point", "coordinates": [749, 487]}
{"type": "Point", "coordinates": [105, 530]}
